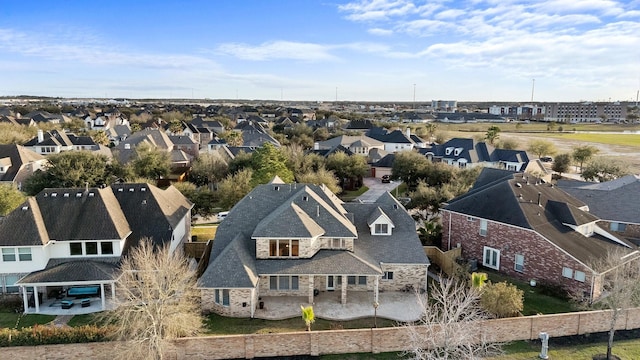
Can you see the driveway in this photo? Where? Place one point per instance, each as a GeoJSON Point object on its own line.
{"type": "Point", "coordinates": [376, 188]}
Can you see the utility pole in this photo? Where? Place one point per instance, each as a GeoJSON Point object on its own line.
{"type": "Point", "coordinates": [414, 96]}
{"type": "Point", "coordinates": [336, 94]}
{"type": "Point", "coordinates": [533, 86]}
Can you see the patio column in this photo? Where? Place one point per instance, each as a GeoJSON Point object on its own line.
{"type": "Point", "coordinates": [343, 295]}
{"type": "Point", "coordinates": [375, 289]}
{"type": "Point", "coordinates": [311, 287]}
{"type": "Point", "coordinates": [253, 306]}
{"type": "Point", "coordinates": [102, 296]}
{"type": "Point", "coordinates": [25, 300]}
{"type": "Point", "coordinates": [36, 299]}
{"type": "Point", "coordinates": [113, 291]}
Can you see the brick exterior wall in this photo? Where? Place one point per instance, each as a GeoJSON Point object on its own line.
{"type": "Point", "coordinates": [334, 341]}
{"type": "Point", "coordinates": [303, 287]}
{"type": "Point", "coordinates": [543, 261]}
{"type": "Point", "coordinates": [631, 230]}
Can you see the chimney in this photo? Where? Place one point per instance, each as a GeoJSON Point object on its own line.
{"type": "Point", "coordinates": [539, 197]}
{"type": "Point", "coordinates": [408, 132]}
{"type": "Point", "coordinates": [316, 146]}
{"type": "Point", "coordinates": [40, 136]}
{"type": "Point", "coordinates": [317, 210]}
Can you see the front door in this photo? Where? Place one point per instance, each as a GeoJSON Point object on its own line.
{"type": "Point", "coordinates": [331, 285]}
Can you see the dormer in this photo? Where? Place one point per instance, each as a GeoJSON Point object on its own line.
{"type": "Point", "coordinates": [448, 150]}
{"type": "Point", "coordinates": [5, 164]}
{"type": "Point", "coordinates": [380, 223]}
{"type": "Point", "coordinates": [457, 151]}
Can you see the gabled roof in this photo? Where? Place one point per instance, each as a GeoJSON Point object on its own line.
{"type": "Point", "coordinates": [289, 220]}
{"type": "Point", "coordinates": [376, 214]}
{"type": "Point", "coordinates": [19, 156]}
{"type": "Point", "coordinates": [386, 162]}
{"type": "Point", "coordinates": [347, 141]}
{"type": "Point", "coordinates": [524, 201]}
{"type": "Point", "coordinates": [151, 212]}
{"type": "Point", "coordinates": [615, 200]}
{"type": "Point", "coordinates": [287, 211]}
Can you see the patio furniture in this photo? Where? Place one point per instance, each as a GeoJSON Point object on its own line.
{"type": "Point", "coordinates": [66, 304]}
{"type": "Point", "coordinates": [85, 302]}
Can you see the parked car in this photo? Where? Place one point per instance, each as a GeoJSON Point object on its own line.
{"type": "Point", "coordinates": [222, 215]}
{"type": "Point", "coordinates": [546, 159]}
{"type": "Point", "coordinates": [386, 179]}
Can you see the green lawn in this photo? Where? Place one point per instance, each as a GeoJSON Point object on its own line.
{"type": "Point", "coordinates": [609, 139]}
{"type": "Point", "coordinates": [10, 320]}
{"type": "Point", "coordinates": [205, 232]}
{"type": "Point", "coordinates": [535, 302]}
{"type": "Point", "coordinates": [219, 325]}
{"type": "Point", "coordinates": [347, 196]}
{"type": "Point", "coordinates": [526, 350]}
{"type": "Point", "coordinates": [533, 126]}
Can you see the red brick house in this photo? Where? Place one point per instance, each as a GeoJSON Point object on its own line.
{"type": "Point", "coordinates": [529, 229]}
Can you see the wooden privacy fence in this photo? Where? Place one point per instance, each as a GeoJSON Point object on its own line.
{"type": "Point", "coordinates": [446, 260]}
{"type": "Point", "coordinates": [335, 341]}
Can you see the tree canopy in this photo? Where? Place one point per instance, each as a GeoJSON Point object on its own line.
{"type": "Point", "coordinates": [10, 198]}
{"type": "Point", "coordinates": [70, 169]}
{"type": "Point", "coordinates": [268, 161]}
{"type": "Point", "coordinates": [583, 153]}
{"type": "Point", "coordinates": [541, 148]}
{"type": "Point", "coordinates": [493, 134]}
{"type": "Point", "coordinates": [604, 169]}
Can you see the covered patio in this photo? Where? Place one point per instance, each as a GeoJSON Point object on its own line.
{"type": "Point", "coordinates": [69, 287]}
{"type": "Point", "coordinates": [399, 306]}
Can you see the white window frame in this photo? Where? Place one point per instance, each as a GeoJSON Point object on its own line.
{"type": "Point", "coordinates": [381, 232]}
{"type": "Point", "coordinates": [519, 263]}
{"type": "Point", "coordinates": [483, 227]}
{"type": "Point", "coordinates": [9, 252]}
{"type": "Point", "coordinates": [493, 255]}
{"type": "Point", "coordinates": [388, 275]}
{"type": "Point", "coordinates": [23, 252]}
{"type": "Point", "coordinates": [222, 295]}
{"type": "Point", "coordinates": [567, 272]}
{"type": "Point", "coordinates": [579, 276]}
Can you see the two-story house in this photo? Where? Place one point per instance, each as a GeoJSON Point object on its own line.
{"type": "Point", "coordinates": [529, 229]}
{"type": "Point", "coordinates": [65, 237]}
{"type": "Point", "coordinates": [297, 240]}
{"type": "Point", "coordinates": [17, 163]}
{"type": "Point", "coordinates": [466, 153]}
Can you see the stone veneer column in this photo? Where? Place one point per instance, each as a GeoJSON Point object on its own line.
{"type": "Point", "coordinates": [375, 289]}
{"type": "Point", "coordinates": [311, 287]}
{"type": "Point", "coordinates": [343, 297]}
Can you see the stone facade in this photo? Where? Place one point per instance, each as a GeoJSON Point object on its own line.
{"type": "Point", "coordinates": [405, 277]}
{"type": "Point", "coordinates": [240, 301]}
{"type": "Point", "coordinates": [307, 247]}
{"type": "Point", "coordinates": [543, 261]}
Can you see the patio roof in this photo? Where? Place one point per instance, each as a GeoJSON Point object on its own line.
{"type": "Point", "coordinates": [60, 272]}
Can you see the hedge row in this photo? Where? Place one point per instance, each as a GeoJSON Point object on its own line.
{"type": "Point", "coordinates": [43, 335]}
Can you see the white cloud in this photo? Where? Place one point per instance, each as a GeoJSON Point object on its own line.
{"type": "Point", "coordinates": [278, 50]}
{"type": "Point", "coordinates": [380, 32]}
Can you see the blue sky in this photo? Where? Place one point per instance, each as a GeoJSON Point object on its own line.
{"type": "Point", "coordinates": [363, 50]}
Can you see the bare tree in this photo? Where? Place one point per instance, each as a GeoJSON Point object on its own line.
{"type": "Point", "coordinates": [451, 326]}
{"type": "Point", "coordinates": [618, 273]}
{"type": "Point", "coordinates": [156, 301]}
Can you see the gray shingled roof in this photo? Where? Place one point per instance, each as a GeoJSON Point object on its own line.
{"type": "Point", "coordinates": [19, 156]}
{"type": "Point", "coordinates": [70, 270]}
{"type": "Point", "coordinates": [616, 200]}
{"type": "Point", "coordinates": [271, 209]}
{"type": "Point", "coordinates": [514, 200]}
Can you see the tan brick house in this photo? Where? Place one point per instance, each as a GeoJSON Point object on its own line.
{"type": "Point", "coordinates": [300, 240]}
{"type": "Point", "coordinates": [523, 227]}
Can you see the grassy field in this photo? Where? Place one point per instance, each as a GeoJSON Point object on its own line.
{"type": "Point", "coordinates": [609, 139]}
{"type": "Point", "coordinates": [524, 350]}
{"type": "Point", "coordinates": [204, 232]}
{"type": "Point", "coordinates": [13, 320]}
{"type": "Point", "coordinates": [534, 126]}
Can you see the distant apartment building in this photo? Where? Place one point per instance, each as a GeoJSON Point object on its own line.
{"type": "Point", "coordinates": [524, 112]}
{"type": "Point", "coordinates": [566, 112]}
{"type": "Point", "coordinates": [586, 112]}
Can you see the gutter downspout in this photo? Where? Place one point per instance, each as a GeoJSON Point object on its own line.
{"type": "Point", "coordinates": [449, 236]}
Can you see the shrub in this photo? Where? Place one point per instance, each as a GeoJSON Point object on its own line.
{"type": "Point", "coordinates": [502, 299]}
{"type": "Point", "coordinates": [43, 335]}
{"type": "Point", "coordinates": [553, 290]}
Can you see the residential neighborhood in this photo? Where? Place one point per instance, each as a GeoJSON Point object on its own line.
{"type": "Point", "coordinates": [273, 209]}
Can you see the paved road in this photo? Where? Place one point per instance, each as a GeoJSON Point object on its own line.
{"type": "Point", "coordinates": [376, 188]}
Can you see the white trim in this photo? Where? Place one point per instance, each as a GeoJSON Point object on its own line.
{"type": "Point", "coordinates": [488, 261]}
